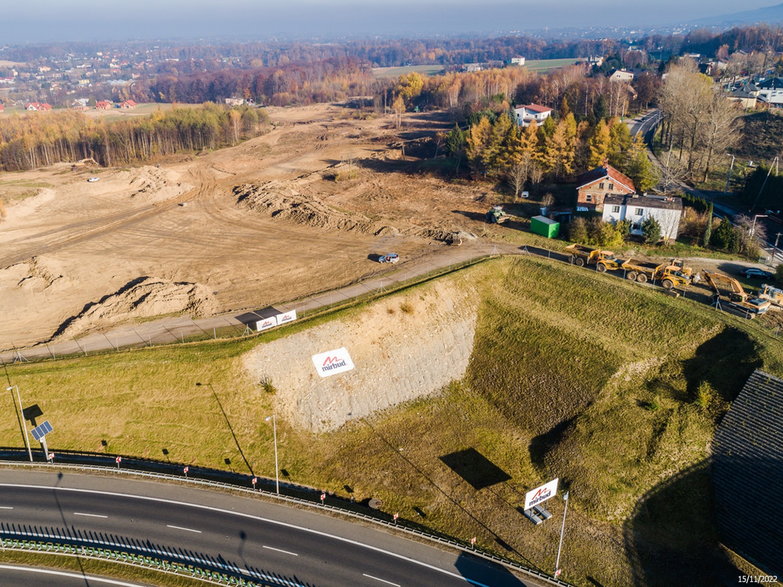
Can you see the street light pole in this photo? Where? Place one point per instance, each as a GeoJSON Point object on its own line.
{"type": "Point", "coordinates": [562, 531]}
{"type": "Point", "coordinates": [21, 417]}
{"type": "Point", "coordinates": [273, 417]}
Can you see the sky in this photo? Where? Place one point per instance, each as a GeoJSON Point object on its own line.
{"type": "Point", "coordinates": [74, 20]}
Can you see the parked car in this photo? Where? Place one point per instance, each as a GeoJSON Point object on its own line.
{"type": "Point", "coordinates": [94, 179]}
{"type": "Point", "coordinates": [389, 258]}
{"type": "Point", "coordinates": [752, 272]}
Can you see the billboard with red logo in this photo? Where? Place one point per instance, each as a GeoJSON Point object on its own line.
{"type": "Point", "coordinates": [332, 362]}
{"type": "Point", "coordinates": [541, 494]}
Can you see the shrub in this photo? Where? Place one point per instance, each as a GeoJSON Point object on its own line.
{"type": "Point", "coordinates": [651, 229]}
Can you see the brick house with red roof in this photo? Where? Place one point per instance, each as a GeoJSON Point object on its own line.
{"type": "Point", "coordinates": [128, 104]}
{"type": "Point", "coordinates": [37, 106]}
{"type": "Point", "coordinates": [103, 105]}
{"type": "Point", "coordinates": [594, 186]}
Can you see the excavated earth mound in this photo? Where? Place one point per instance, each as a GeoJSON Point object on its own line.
{"type": "Point", "coordinates": [404, 347]}
{"type": "Point", "coordinates": [140, 298]}
{"type": "Point", "coordinates": [279, 201]}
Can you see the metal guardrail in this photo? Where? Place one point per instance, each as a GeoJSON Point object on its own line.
{"type": "Point", "coordinates": [125, 558]}
{"type": "Point", "coordinates": [298, 495]}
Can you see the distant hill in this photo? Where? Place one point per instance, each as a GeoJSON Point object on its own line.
{"type": "Point", "coordinates": [768, 15]}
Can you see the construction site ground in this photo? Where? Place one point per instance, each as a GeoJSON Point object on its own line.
{"type": "Point", "coordinates": [295, 214]}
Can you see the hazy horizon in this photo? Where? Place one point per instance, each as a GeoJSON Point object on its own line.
{"type": "Point", "coordinates": [88, 20]}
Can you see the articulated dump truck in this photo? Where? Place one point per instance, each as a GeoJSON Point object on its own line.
{"type": "Point", "coordinates": [671, 274]}
{"type": "Point", "coordinates": [603, 260]}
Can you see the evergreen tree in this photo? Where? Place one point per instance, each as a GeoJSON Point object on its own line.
{"type": "Point", "coordinates": [651, 229]}
{"type": "Point", "coordinates": [708, 225]}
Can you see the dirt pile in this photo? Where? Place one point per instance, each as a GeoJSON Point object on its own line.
{"type": "Point", "coordinates": [278, 201]}
{"type": "Point", "coordinates": [35, 275]}
{"type": "Point", "coordinates": [404, 347]}
{"type": "Point", "coordinates": [140, 298]}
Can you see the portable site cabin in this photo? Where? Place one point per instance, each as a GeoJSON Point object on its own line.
{"type": "Point", "coordinates": [544, 226]}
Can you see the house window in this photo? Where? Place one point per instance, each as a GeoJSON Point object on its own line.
{"type": "Point", "coordinates": [611, 187]}
{"type": "Point", "coordinates": [640, 211]}
{"type": "Point", "coordinates": [615, 209]}
{"type": "Point", "coordinates": [601, 186]}
{"type": "Point", "coordinates": [589, 198]}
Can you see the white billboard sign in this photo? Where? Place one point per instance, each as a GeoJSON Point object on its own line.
{"type": "Point", "coordinates": [540, 494]}
{"type": "Point", "coordinates": [266, 323]}
{"type": "Point", "coordinates": [332, 362]}
{"type": "Point", "coordinates": [286, 317]}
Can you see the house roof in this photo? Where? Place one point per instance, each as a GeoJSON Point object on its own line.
{"type": "Point", "coordinates": [644, 201]}
{"type": "Point", "coordinates": [535, 108]}
{"type": "Point", "coordinates": [603, 172]}
{"type": "Point", "coordinates": [748, 462]}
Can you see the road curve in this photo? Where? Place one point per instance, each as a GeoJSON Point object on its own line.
{"type": "Point", "coordinates": [267, 541]}
{"type": "Point", "coordinates": [37, 577]}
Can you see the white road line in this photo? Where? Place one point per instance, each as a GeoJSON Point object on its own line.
{"type": "Point", "coordinates": [251, 517]}
{"type": "Point", "coordinates": [89, 515]}
{"type": "Point", "coordinates": [90, 578]}
{"type": "Point", "coordinates": [280, 550]}
{"type": "Point", "coordinates": [381, 580]}
{"type": "Point", "coordinates": [181, 528]}
{"type": "Point", "coordinates": [5, 507]}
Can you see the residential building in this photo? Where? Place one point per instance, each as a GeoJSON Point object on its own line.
{"type": "Point", "coordinates": [519, 61]}
{"type": "Point", "coordinates": [594, 186]}
{"type": "Point", "coordinates": [103, 105]}
{"type": "Point", "coordinates": [526, 114]}
{"type": "Point", "coordinates": [771, 92]}
{"type": "Point", "coordinates": [636, 209]}
{"type": "Point", "coordinates": [621, 75]}
{"type": "Point", "coordinates": [745, 99]}
{"type": "Point", "coordinates": [128, 104]}
{"type": "Point", "coordinates": [37, 106]}
{"type": "Point", "coordinates": [234, 101]}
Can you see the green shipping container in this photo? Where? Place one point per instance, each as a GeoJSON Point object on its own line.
{"type": "Point", "coordinates": [544, 226]}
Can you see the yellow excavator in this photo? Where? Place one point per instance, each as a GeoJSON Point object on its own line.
{"type": "Point", "coordinates": [730, 291]}
{"type": "Point", "coordinates": [773, 294]}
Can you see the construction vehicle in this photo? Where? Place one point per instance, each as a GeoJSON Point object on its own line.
{"type": "Point", "coordinates": [389, 258]}
{"type": "Point", "coordinates": [671, 274]}
{"type": "Point", "coordinates": [773, 294]}
{"type": "Point", "coordinates": [496, 215]}
{"type": "Point", "coordinates": [603, 260]}
{"type": "Point", "coordinates": [730, 291]}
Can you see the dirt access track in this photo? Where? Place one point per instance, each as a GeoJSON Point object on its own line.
{"type": "Point", "coordinates": [304, 208]}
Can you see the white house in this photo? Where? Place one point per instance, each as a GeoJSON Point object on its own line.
{"type": "Point", "coordinates": [621, 75]}
{"type": "Point", "coordinates": [526, 114]}
{"type": "Point", "coordinates": [519, 61]}
{"type": "Point", "coordinates": [636, 209]}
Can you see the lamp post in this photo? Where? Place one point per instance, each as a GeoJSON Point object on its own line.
{"type": "Point", "coordinates": [21, 416]}
{"type": "Point", "coordinates": [562, 531]}
{"type": "Point", "coordinates": [273, 417]}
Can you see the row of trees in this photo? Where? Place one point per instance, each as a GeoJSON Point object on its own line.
{"type": "Point", "coordinates": [699, 123]}
{"type": "Point", "coordinates": [34, 140]}
{"type": "Point", "coordinates": [594, 231]}
{"type": "Point", "coordinates": [495, 146]}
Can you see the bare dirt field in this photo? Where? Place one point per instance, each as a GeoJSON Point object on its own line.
{"type": "Point", "coordinates": [304, 208]}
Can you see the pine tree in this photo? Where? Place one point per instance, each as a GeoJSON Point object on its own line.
{"type": "Point", "coordinates": [708, 225]}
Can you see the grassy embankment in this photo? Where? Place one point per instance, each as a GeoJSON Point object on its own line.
{"type": "Point", "coordinates": [574, 374]}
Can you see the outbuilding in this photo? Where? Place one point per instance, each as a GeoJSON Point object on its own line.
{"type": "Point", "coordinates": [544, 226]}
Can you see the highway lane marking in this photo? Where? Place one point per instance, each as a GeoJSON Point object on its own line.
{"type": "Point", "coordinates": [256, 518]}
{"type": "Point", "coordinates": [280, 550]}
{"type": "Point", "coordinates": [5, 507]}
{"type": "Point", "coordinates": [181, 528]}
{"type": "Point", "coordinates": [90, 578]}
{"type": "Point", "coordinates": [89, 515]}
{"type": "Point", "coordinates": [381, 580]}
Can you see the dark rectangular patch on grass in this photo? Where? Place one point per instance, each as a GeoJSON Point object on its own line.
{"type": "Point", "coordinates": [475, 468]}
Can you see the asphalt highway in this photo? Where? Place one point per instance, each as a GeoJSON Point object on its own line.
{"type": "Point", "coordinates": [270, 542]}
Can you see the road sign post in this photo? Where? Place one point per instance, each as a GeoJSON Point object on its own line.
{"type": "Point", "coordinates": [558, 570]}
{"type": "Point", "coordinates": [118, 460]}
{"type": "Point", "coordinates": [39, 433]}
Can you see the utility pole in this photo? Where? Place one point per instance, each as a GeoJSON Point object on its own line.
{"type": "Point", "coordinates": [728, 175]}
{"type": "Point", "coordinates": [273, 417]}
{"type": "Point", "coordinates": [21, 418]}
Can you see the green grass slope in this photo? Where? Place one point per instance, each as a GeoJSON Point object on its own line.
{"type": "Point", "coordinates": [609, 385]}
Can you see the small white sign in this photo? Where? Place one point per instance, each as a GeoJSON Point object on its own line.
{"type": "Point", "coordinates": [266, 323]}
{"type": "Point", "coordinates": [332, 362]}
{"type": "Point", "coordinates": [540, 494]}
{"type": "Point", "coordinates": [286, 317]}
